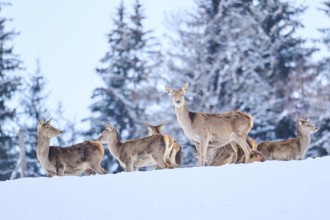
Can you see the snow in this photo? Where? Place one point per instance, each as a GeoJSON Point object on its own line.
{"type": "Point", "coordinates": [270, 190]}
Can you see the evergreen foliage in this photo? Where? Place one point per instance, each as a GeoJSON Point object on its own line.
{"type": "Point", "coordinates": [321, 142]}
{"type": "Point", "coordinates": [125, 70]}
{"type": "Point", "coordinates": [243, 55]}
{"type": "Point", "coordinates": [34, 108]}
{"type": "Point", "coordinates": [9, 85]}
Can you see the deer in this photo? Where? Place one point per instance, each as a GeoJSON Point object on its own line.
{"type": "Point", "coordinates": [205, 129]}
{"type": "Point", "coordinates": [133, 154]}
{"type": "Point", "coordinates": [226, 155]}
{"type": "Point", "coordinates": [73, 160]}
{"type": "Point", "coordinates": [173, 152]}
{"type": "Point", "coordinates": [292, 148]}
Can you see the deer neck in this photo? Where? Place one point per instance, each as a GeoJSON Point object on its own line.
{"type": "Point", "coordinates": [304, 140]}
{"type": "Point", "coordinates": [43, 146]}
{"type": "Point", "coordinates": [43, 150]}
{"type": "Point", "coordinates": [183, 116]}
{"type": "Point", "coordinates": [114, 146]}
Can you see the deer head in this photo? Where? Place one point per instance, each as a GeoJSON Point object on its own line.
{"type": "Point", "coordinates": [46, 130]}
{"type": "Point", "coordinates": [108, 133]}
{"type": "Point", "coordinates": [157, 129]}
{"type": "Point", "coordinates": [178, 95]}
{"type": "Point", "coordinates": [306, 126]}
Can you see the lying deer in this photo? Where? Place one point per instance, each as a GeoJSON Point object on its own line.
{"type": "Point", "coordinates": [226, 155]}
{"type": "Point", "coordinates": [290, 149]}
{"type": "Point", "coordinates": [173, 152]}
{"type": "Point", "coordinates": [74, 160]}
{"type": "Point", "coordinates": [217, 129]}
{"type": "Point", "coordinates": [133, 154]}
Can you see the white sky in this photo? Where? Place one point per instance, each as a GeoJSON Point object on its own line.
{"type": "Point", "coordinates": [69, 39]}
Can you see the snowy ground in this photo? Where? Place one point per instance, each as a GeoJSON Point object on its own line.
{"type": "Point", "coordinates": [271, 190]}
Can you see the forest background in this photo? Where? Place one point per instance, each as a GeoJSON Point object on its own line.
{"type": "Point", "coordinates": [247, 55]}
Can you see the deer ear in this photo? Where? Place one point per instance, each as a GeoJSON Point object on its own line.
{"type": "Point", "coordinates": [168, 90]}
{"type": "Point", "coordinates": [48, 121]}
{"type": "Point", "coordinates": [40, 124]}
{"type": "Point", "coordinates": [185, 87]}
{"type": "Point", "coordinates": [107, 126]}
{"type": "Point", "coordinates": [161, 124]}
{"type": "Point", "coordinates": [147, 124]}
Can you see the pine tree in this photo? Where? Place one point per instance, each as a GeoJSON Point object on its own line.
{"type": "Point", "coordinates": [289, 69]}
{"type": "Point", "coordinates": [244, 55]}
{"type": "Point", "coordinates": [9, 84]}
{"type": "Point", "coordinates": [34, 108]}
{"type": "Point", "coordinates": [126, 70]}
{"type": "Point", "coordinates": [320, 143]}
{"type": "Point", "coordinates": [70, 134]}
{"type": "Point", "coordinates": [220, 52]}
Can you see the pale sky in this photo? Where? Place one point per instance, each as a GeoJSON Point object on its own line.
{"type": "Point", "coordinates": [69, 38]}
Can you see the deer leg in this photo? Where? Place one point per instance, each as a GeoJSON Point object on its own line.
{"type": "Point", "coordinates": [160, 160]}
{"type": "Point", "coordinates": [173, 154]}
{"type": "Point", "coordinates": [204, 145]}
{"type": "Point", "coordinates": [162, 165]}
{"type": "Point", "coordinates": [233, 145]}
{"type": "Point", "coordinates": [89, 172]}
{"type": "Point", "coordinates": [98, 169]}
{"type": "Point", "coordinates": [199, 154]}
{"type": "Point", "coordinates": [129, 166]}
{"type": "Point", "coordinates": [60, 170]}
{"type": "Point", "coordinates": [50, 174]}
{"type": "Point", "coordinates": [245, 147]}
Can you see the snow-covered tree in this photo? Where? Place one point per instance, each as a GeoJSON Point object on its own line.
{"type": "Point", "coordinates": [321, 104]}
{"type": "Point", "coordinates": [220, 50]}
{"type": "Point", "coordinates": [66, 125]}
{"type": "Point", "coordinates": [9, 84]}
{"type": "Point", "coordinates": [33, 108]}
{"type": "Point", "coordinates": [126, 70]}
{"type": "Point", "coordinates": [242, 55]}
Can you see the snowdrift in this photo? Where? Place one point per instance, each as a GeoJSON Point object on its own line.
{"type": "Point", "coordinates": [270, 190]}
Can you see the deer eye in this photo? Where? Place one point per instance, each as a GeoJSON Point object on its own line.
{"type": "Point", "coordinates": [47, 126]}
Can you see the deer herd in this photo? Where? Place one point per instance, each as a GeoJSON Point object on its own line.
{"type": "Point", "coordinates": [219, 139]}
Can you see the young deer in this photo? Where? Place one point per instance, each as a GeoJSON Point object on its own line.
{"type": "Point", "coordinates": [143, 152]}
{"type": "Point", "coordinates": [214, 129]}
{"type": "Point", "coordinates": [290, 149]}
{"type": "Point", "coordinates": [173, 152]}
{"type": "Point", "coordinates": [74, 160]}
{"type": "Point", "coordinates": [226, 155]}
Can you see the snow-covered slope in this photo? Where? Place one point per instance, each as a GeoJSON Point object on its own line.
{"type": "Point", "coordinates": [270, 190]}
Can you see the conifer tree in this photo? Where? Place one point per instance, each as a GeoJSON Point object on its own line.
{"type": "Point", "coordinates": [9, 84]}
{"type": "Point", "coordinates": [67, 126]}
{"type": "Point", "coordinates": [288, 68]}
{"type": "Point", "coordinates": [34, 108]}
{"type": "Point", "coordinates": [240, 55]}
{"type": "Point", "coordinates": [125, 70]}
{"type": "Point", "coordinates": [320, 143]}
{"type": "Point", "coordinates": [219, 52]}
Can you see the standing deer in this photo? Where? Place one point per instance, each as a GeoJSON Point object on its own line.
{"type": "Point", "coordinates": [173, 152]}
{"type": "Point", "coordinates": [214, 129]}
{"type": "Point", "coordinates": [74, 160]}
{"type": "Point", "coordinates": [133, 154]}
{"type": "Point", "coordinates": [290, 149]}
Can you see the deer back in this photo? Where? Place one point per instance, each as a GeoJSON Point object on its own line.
{"type": "Point", "coordinates": [76, 158]}
{"type": "Point", "coordinates": [279, 150]}
{"type": "Point", "coordinates": [143, 149]}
